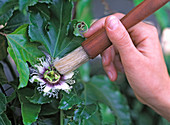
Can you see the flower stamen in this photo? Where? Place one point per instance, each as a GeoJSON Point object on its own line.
{"type": "Point", "coordinates": [50, 81]}
{"type": "Point", "coordinates": [52, 76]}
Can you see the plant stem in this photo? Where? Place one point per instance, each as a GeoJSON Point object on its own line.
{"type": "Point", "coordinates": [61, 117]}
{"type": "Point", "coordinates": [3, 34]}
{"type": "Point", "coordinates": [61, 112]}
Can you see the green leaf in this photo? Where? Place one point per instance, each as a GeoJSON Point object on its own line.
{"type": "Point", "coordinates": [38, 98]}
{"type": "Point", "coordinates": [15, 21]}
{"type": "Point", "coordinates": [50, 109]}
{"type": "Point", "coordinates": [3, 78]}
{"type": "Point", "coordinates": [48, 121]}
{"type": "Point", "coordinates": [145, 118]}
{"type": "Point", "coordinates": [3, 46]}
{"type": "Point", "coordinates": [69, 100]}
{"type": "Point", "coordinates": [162, 17]}
{"type": "Point", "coordinates": [100, 89]}
{"type": "Point", "coordinates": [56, 35]}
{"type": "Point", "coordinates": [6, 10]}
{"type": "Point", "coordinates": [24, 4]}
{"type": "Point", "coordinates": [96, 119]}
{"type": "Point", "coordinates": [163, 121]}
{"type": "Point", "coordinates": [107, 115]}
{"type": "Point", "coordinates": [3, 103]}
{"type": "Point", "coordinates": [21, 51]}
{"type": "Point", "coordinates": [136, 2]}
{"type": "Point", "coordinates": [11, 97]}
{"type": "Point", "coordinates": [85, 72]}
{"type": "Point", "coordinates": [84, 112]}
{"type": "Point", "coordinates": [84, 11]}
{"type": "Point", "coordinates": [41, 8]}
{"type": "Point", "coordinates": [4, 120]}
{"type": "Point", "coordinates": [5, 17]}
{"type": "Point", "coordinates": [29, 110]}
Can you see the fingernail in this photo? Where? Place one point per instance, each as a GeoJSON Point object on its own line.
{"type": "Point", "coordinates": [110, 75]}
{"type": "Point", "coordinates": [112, 23]}
{"type": "Point", "coordinates": [104, 59]}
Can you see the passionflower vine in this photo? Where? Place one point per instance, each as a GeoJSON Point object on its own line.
{"type": "Point", "coordinates": [50, 81]}
{"type": "Point", "coordinates": [80, 28]}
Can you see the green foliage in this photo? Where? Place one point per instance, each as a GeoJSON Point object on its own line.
{"type": "Point", "coordinates": [54, 34]}
{"type": "Point", "coordinates": [31, 27]}
{"type": "Point", "coordinates": [29, 110]}
{"type": "Point", "coordinates": [38, 98]}
{"type": "Point", "coordinates": [110, 96]}
{"type": "Point", "coordinates": [50, 108]}
{"type": "Point", "coordinates": [95, 119]}
{"type": "Point", "coordinates": [21, 51]}
{"type": "Point", "coordinates": [85, 72]}
{"type": "Point", "coordinates": [84, 112]}
{"type": "Point", "coordinates": [107, 115]}
{"type": "Point", "coordinates": [84, 11]}
{"type": "Point", "coordinates": [69, 100]}
{"type": "Point", "coordinates": [17, 19]}
{"type": "Point", "coordinates": [3, 47]}
{"type": "Point", "coordinates": [7, 8]}
{"type": "Point", "coordinates": [11, 97]}
{"type": "Point", "coordinates": [136, 2]}
{"type": "Point", "coordinates": [3, 78]}
{"type": "Point", "coordinates": [3, 103]}
{"type": "Point", "coordinates": [162, 17]}
{"type": "Point", "coordinates": [4, 119]}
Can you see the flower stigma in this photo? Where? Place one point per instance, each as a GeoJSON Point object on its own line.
{"type": "Point", "coordinates": [49, 80]}
{"type": "Point", "coordinates": [52, 76]}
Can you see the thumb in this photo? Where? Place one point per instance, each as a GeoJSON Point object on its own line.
{"type": "Point", "coordinates": [120, 38]}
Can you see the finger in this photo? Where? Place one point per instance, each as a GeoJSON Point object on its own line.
{"type": "Point", "coordinates": [140, 32]}
{"type": "Point", "coordinates": [120, 38]}
{"type": "Point", "coordinates": [111, 71]}
{"type": "Point", "coordinates": [107, 61]}
{"type": "Point", "coordinates": [95, 27]}
{"type": "Point", "coordinates": [118, 63]}
{"type": "Point", "coordinates": [99, 24]}
{"type": "Point", "coordinates": [107, 56]}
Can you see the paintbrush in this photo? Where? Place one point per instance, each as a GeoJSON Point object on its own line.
{"type": "Point", "coordinates": [99, 41]}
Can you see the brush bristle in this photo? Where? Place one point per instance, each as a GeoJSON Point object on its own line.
{"type": "Point", "coordinates": [71, 61]}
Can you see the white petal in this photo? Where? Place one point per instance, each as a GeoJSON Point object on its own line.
{"type": "Point", "coordinates": [36, 78]}
{"type": "Point", "coordinates": [68, 75]}
{"type": "Point", "coordinates": [45, 64]}
{"type": "Point", "coordinates": [33, 78]}
{"type": "Point", "coordinates": [62, 86]}
{"type": "Point", "coordinates": [40, 69]}
{"type": "Point", "coordinates": [47, 88]}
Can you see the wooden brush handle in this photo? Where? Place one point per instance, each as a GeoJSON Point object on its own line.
{"type": "Point", "coordinates": [99, 41]}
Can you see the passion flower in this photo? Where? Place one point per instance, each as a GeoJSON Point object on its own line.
{"type": "Point", "coordinates": [50, 81]}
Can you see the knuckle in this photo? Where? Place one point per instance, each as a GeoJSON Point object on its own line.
{"type": "Point", "coordinates": [154, 29]}
{"type": "Point", "coordinates": [123, 40]}
{"type": "Point", "coordinates": [119, 15]}
{"type": "Point", "coordinates": [151, 29]}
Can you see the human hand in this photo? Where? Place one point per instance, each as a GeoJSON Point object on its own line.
{"type": "Point", "coordinates": [141, 58]}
